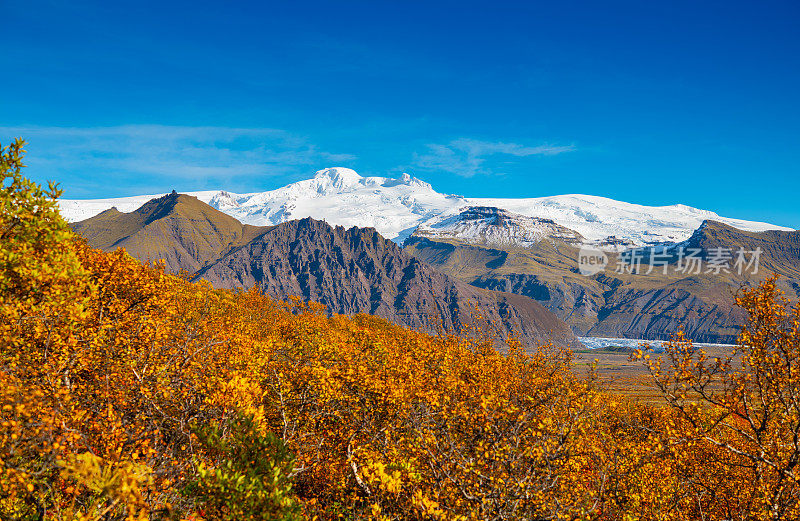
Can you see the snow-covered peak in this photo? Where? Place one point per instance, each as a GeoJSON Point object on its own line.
{"type": "Point", "coordinates": [338, 178]}
{"type": "Point", "coordinates": [497, 227]}
{"type": "Point", "coordinates": [397, 206]}
{"type": "Point", "coordinates": [224, 200]}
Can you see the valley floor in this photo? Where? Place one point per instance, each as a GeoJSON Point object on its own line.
{"type": "Point", "coordinates": [621, 375]}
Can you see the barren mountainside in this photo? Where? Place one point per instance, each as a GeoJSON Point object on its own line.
{"type": "Point", "coordinates": [357, 271]}
{"type": "Point", "coordinates": [611, 304]}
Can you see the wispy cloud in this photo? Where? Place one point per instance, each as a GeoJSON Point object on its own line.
{"type": "Point", "coordinates": [198, 156]}
{"type": "Point", "coordinates": [467, 157]}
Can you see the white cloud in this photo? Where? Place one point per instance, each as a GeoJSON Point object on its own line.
{"type": "Point", "coordinates": [467, 157]}
{"type": "Point", "coordinates": [200, 154]}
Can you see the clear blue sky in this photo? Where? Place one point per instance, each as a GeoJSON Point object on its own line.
{"type": "Point", "coordinates": [650, 102]}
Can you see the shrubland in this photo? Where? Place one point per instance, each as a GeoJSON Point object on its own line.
{"type": "Point", "coordinates": [127, 393]}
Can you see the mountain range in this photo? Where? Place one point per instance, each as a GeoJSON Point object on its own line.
{"type": "Point", "coordinates": [349, 270]}
{"type": "Point", "coordinates": [510, 255]}
{"type": "Point", "coordinates": [397, 207]}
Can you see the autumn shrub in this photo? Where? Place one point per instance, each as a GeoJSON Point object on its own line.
{"type": "Point", "coordinates": [392, 422]}
{"type": "Point", "coordinates": [739, 414]}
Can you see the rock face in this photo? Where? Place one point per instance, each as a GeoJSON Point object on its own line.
{"type": "Point", "coordinates": [610, 304]}
{"type": "Point", "coordinates": [349, 270]}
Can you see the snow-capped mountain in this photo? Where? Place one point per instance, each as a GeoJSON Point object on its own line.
{"type": "Point", "coordinates": [497, 227]}
{"type": "Point", "coordinates": [397, 207]}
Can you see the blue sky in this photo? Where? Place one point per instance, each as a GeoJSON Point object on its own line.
{"type": "Point", "coordinates": [648, 102]}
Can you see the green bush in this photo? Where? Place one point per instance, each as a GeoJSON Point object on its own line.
{"type": "Point", "coordinates": [251, 478]}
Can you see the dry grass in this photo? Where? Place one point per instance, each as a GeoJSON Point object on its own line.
{"type": "Point", "coordinates": [622, 376]}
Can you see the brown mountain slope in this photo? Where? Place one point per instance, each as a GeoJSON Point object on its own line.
{"type": "Point", "coordinates": [652, 306]}
{"type": "Point", "coordinates": [183, 231]}
{"type": "Point", "coordinates": [350, 271]}
{"type": "Point", "coordinates": [780, 249]}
